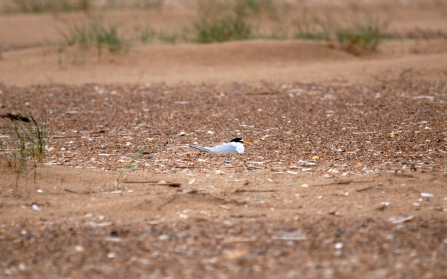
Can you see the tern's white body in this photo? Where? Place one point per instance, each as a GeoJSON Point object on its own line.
{"type": "Point", "coordinates": [235, 146]}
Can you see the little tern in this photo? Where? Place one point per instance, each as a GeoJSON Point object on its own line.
{"type": "Point", "coordinates": [236, 145]}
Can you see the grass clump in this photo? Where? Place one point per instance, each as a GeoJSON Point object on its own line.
{"type": "Point", "coordinates": [223, 29]}
{"type": "Point", "coordinates": [240, 7]}
{"type": "Point", "coordinates": [360, 39]}
{"type": "Point", "coordinates": [146, 35]}
{"type": "Point", "coordinates": [311, 28]}
{"type": "Point", "coordinates": [130, 167]}
{"type": "Point", "coordinates": [353, 31]}
{"type": "Point", "coordinates": [41, 6]}
{"type": "Point", "coordinates": [168, 37]}
{"type": "Point", "coordinates": [108, 36]}
{"type": "Point", "coordinates": [254, 6]}
{"type": "Point", "coordinates": [26, 142]}
{"type": "Point", "coordinates": [93, 33]}
{"type": "Point", "coordinates": [226, 20]}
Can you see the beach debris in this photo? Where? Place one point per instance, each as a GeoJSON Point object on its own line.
{"type": "Point", "coordinates": [427, 195]}
{"type": "Point", "coordinates": [293, 235]}
{"type": "Point", "coordinates": [155, 183]}
{"type": "Point", "coordinates": [400, 219]}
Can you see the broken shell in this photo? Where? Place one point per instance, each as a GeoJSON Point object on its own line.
{"type": "Point", "coordinates": [192, 181]}
{"type": "Point", "coordinates": [427, 195]}
{"type": "Point", "coordinates": [397, 220]}
{"type": "Point", "coordinates": [306, 163]}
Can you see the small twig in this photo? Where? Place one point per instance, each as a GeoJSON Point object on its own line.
{"type": "Point", "coordinates": [167, 202]}
{"type": "Point", "coordinates": [239, 239]}
{"type": "Point", "coordinates": [248, 216]}
{"type": "Point", "coordinates": [76, 192]}
{"type": "Point", "coordinates": [403, 175]}
{"type": "Point", "coordinates": [71, 191]}
{"type": "Point", "coordinates": [362, 133]}
{"type": "Point", "coordinates": [368, 187]}
{"type": "Point", "coordinates": [340, 182]}
{"type": "Point", "coordinates": [161, 182]}
{"type": "Point", "coordinates": [254, 167]}
{"type": "Point", "coordinates": [256, 191]}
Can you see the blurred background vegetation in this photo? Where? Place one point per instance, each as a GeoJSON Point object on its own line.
{"type": "Point", "coordinates": [350, 28]}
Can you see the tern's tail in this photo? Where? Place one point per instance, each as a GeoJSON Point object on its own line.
{"type": "Point", "coordinates": [204, 149]}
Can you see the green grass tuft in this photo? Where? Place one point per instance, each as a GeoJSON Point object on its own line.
{"type": "Point", "coordinates": [353, 31]}
{"type": "Point", "coordinates": [311, 29]}
{"type": "Point", "coordinates": [168, 37]}
{"type": "Point", "coordinates": [131, 166]}
{"type": "Point", "coordinates": [44, 6]}
{"type": "Point", "coordinates": [95, 33]}
{"type": "Point", "coordinates": [27, 142]}
{"type": "Point", "coordinates": [146, 35]}
{"type": "Point", "coordinates": [360, 39]}
{"type": "Point", "coordinates": [254, 6]}
{"type": "Point", "coordinates": [41, 6]}
{"type": "Point", "coordinates": [223, 29]}
{"type": "Point", "coordinates": [109, 36]}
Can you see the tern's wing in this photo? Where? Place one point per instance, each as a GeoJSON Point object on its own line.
{"type": "Point", "coordinates": [204, 149]}
{"type": "Point", "coordinates": [224, 148]}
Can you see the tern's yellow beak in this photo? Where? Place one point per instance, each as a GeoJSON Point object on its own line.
{"type": "Point", "coordinates": [246, 142]}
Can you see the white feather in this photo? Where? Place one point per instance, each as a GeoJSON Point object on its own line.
{"type": "Point", "coordinates": [231, 147]}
